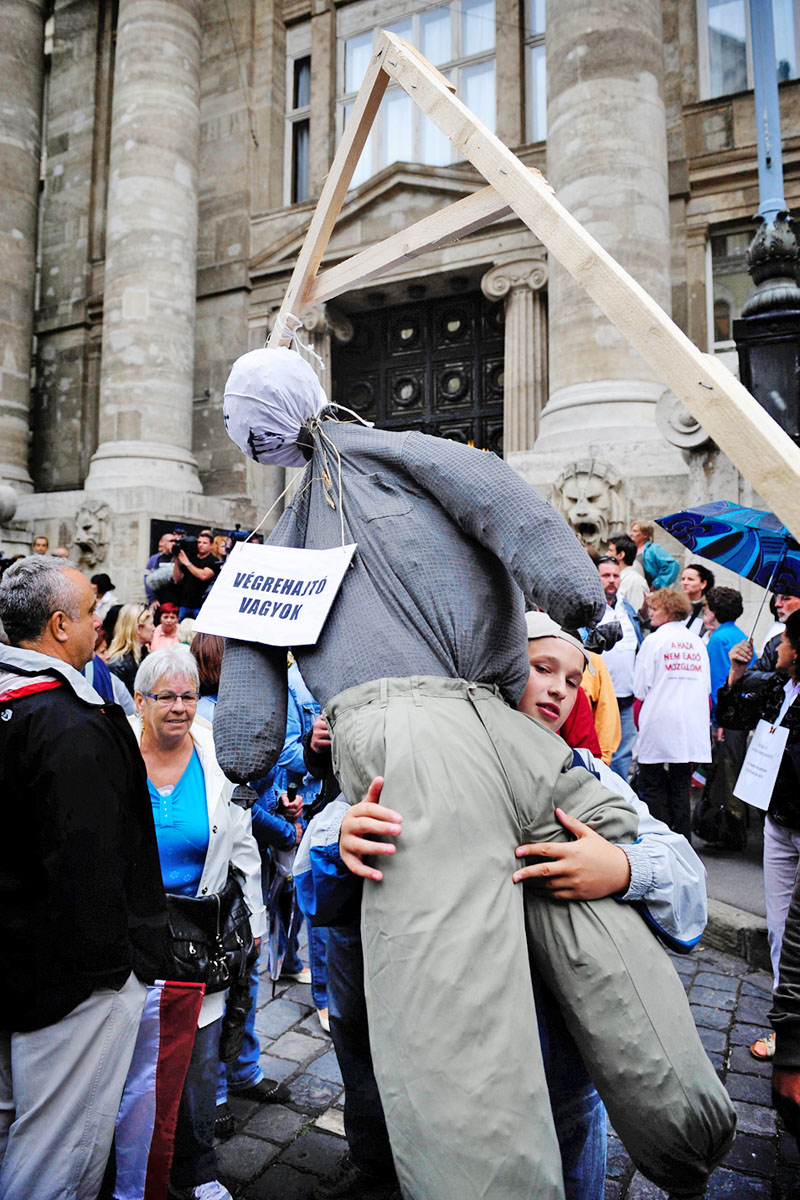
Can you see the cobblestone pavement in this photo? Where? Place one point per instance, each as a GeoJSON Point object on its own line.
{"type": "Point", "coordinates": [279, 1152]}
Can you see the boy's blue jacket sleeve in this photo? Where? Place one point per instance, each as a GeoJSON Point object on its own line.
{"type": "Point", "coordinates": [271, 831]}
{"type": "Point", "coordinates": [327, 892]}
{"type": "Point", "coordinates": [668, 880]}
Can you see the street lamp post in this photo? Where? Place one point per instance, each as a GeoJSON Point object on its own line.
{"type": "Point", "coordinates": [767, 334]}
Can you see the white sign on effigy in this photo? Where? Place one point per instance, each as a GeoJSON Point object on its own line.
{"type": "Point", "coordinates": [274, 594]}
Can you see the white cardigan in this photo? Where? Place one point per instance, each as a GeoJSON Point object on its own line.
{"type": "Point", "coordinates": [230, 840]}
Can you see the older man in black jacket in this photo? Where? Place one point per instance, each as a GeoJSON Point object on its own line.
{"type": "Point", "coordinates": [81, 902]}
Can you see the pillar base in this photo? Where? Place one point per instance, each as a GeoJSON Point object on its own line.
{"type": "Point", "coordinates": [109, 531]}
{"type": "Point", "coordinates": [142, 464]}
{"type": "Point", "coordinates": [609, 410]}
{"type": "Point", "coordinates": [15, 476]}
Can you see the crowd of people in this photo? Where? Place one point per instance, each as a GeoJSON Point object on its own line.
{"type": "Point", "coordinates": [667, 700]}
{"type": "Point", "coordinates": [141, 662]}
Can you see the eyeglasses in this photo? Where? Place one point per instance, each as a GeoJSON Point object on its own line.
{"type": "Point", "coordinates": [606, 558]}
{"type": "Point", "coordinates": [167, 699]}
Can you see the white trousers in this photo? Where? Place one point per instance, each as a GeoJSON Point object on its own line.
{"type": "Point", "coordinates": [60, 1089]}
{"type": "Point", "coordinates": [781, 859]}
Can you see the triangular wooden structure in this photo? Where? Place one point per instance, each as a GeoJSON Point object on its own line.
{"type": "Point", "coordinates": [754, 443]}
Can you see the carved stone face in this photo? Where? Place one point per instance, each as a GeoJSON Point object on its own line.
{"type": "Point", "coordinates": [588, 495]}
{"type": "Point", "coordinates": [92, 524]}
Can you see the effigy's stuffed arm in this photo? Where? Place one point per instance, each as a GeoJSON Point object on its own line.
{"type": "Point", "coordinates": [627, 1010]}
{"type": "Point", "coordinates": [499, 510]}
{"type": "Point", "coordinates": [250, 718]}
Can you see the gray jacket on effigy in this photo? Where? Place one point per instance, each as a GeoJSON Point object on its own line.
{"type": "Point", "coordinates": [451, 546]}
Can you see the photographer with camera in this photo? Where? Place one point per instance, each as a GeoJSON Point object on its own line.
{"type": "Point", "coordinates": [194, 570]}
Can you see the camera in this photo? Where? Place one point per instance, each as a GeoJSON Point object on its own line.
{"type": "Point", "coordinates": [187, 544]}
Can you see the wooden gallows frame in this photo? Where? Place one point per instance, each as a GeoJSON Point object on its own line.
{"type": "Point", "coordinates": [754, 443]}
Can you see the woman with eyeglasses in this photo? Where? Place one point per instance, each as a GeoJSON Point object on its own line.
{"type": "Point", "coordinates": [133, 634]}
{"type": "Point", "coordinates": [200, 834]}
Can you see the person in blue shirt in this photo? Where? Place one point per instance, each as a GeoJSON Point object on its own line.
{"type": "Point", "coordinates": [660, 568]}
{"type": "Point", "coordinates": [242, 1076]}
{"type": "Point", "coordinates": [722, 606]}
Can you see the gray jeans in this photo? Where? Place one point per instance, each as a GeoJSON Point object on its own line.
{"type": "Point", "coordinates": [446, 939]}
{"type": "Point", "coordinates": [781, 861]}
{"type": "Point", "coordinates": [60, 1089]}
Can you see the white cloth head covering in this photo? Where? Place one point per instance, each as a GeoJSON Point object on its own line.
{"type": "Point", "coordinates": [269, 395]}
{"type": "Point", "coordinates": [539, 625]}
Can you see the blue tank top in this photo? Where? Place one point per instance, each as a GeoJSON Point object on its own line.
{"type": "Point", "coordinates": [180, 814]}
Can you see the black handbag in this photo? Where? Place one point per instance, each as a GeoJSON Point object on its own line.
{"type": "Point", "coordinates": [212, 942]}
{"type": "Point", "coordinates": [715, 819]}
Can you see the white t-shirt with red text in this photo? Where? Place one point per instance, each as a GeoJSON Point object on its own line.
{"type": "Point", "coordinates": [673, 679]}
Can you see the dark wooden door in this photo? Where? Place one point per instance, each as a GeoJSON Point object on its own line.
{"type": "Point", "coordinates": [435, 366]}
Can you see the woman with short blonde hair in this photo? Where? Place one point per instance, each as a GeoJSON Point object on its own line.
{"type": "Point", "coordinates": [675, 606]}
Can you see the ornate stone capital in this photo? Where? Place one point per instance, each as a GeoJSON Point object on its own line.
{"type": "Point", "coordinates": [321, 319]}
{"type": "Point", "coordinates": [339, 325]}
{"type": "Point", "coordinates": [677, 425]}
{"type": "Point", "coordinates": [522, 273]}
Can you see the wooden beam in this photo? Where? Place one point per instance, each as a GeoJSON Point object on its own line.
{"type": "Point", "coordinates": [457, 220]}
{"type": "Point", "coordinates": [754, 443]}
{"type": "Point", "coordinates": [332, 195]}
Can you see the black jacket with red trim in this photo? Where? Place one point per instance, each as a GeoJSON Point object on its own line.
{"type": "Point", "coordinates": [81, 898]}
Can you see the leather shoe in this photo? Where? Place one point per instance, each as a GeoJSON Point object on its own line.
{"type": "Point", "coordinates": [224, 1126]}
{"type": "Point", "coordinates": [350, 1183]}
{"type": "Point", "coordinates": [266, 1091]}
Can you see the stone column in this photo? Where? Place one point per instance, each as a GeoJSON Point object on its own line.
{"type": "Point", "coordinates": [146, 382]}
{"type": "Point", "coordinates": [607, 160]}
{"type": "Point", "coordinates": [21, 69]}
{"type": "Point", "coordinates": [525, 357]}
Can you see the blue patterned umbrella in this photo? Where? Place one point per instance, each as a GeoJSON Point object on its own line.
{"type": "Point", "coordinates": [746, 540]}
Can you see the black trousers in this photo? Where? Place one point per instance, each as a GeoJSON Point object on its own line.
{"type": "Point", "coordinates": [364, 1122]}
{"type": "Point", "coordinates": [664, 787]}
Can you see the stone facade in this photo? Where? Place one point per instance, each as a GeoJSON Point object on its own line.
{"type": "Point", "coordinates": [163, 237]}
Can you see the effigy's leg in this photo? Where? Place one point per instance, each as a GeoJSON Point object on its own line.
{"type": "Point", "coordinates": [451, 1013]}
{"type": "Point", "coordinates": [622, 999]}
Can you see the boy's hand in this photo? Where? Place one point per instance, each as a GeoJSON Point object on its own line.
{"type": "Point", "coordinates": [320, 740]}
{"type": "Point", "coordinates": [368, 818]}
{"type": "Point", "coordinates": [587, 869]}
{"type": "Point", "coordinates": [291, 808]}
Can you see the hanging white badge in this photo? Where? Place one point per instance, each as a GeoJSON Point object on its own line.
{"type": "Point", "coordinates": [276, 595]}
{"type": "Point", "coordinates": [760, 767]}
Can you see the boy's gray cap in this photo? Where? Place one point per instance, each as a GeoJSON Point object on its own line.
{"type": "Point", "coordinates": [539, 625]}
